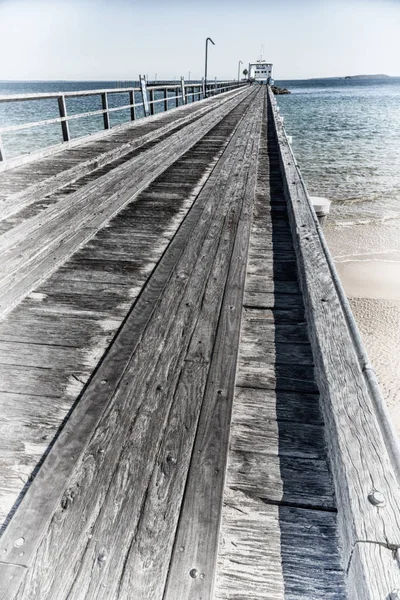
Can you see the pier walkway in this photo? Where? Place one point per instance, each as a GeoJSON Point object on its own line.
{"type": "Point", "coordinates": [170, 427]}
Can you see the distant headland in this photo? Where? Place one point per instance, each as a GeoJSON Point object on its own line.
{"type": "Point", "coordinates": [377, 76]}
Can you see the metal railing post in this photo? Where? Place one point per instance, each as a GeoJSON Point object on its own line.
{"type": "Point", "coordinates": [143, 89]}
{"type": "Point", "coordinates": [106, 115]}
{"type": "Point", "coordinates": [166, 99]}
{"type": "Point", "coordinates": [63, 114]}
{"type": "Point", "coordinates": [2, 155]}
{"type": "Point", "coordinates": [184, 97]}
{"type": "Point", "coordinates": [203, 87]}
{"type": "Point", "coordinates": [132, 101]}
{"type": "Point", "coordinates": [152, 107]}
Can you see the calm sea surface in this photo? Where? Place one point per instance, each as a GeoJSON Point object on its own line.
{"type": "Point", "coordinates": [346, 137]}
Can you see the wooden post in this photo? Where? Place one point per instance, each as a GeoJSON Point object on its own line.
{"type": "Point", "coordinates": [184, 98]}
{"type": "Point", "coordinates": [143, 88]}
{"type": "Point", "coordinates": [166, 99]}
{"type": "Point", "coordinates": [64, 124]}
{"type": "Point", "coordinates": [106, 115]}
{"type": "Point", "coordinates": [132, 101]}
{"type": "Point", "coordinates": [152, 107]}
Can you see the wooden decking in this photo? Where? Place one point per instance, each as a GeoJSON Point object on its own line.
{"type": "Point", "coordinates": [161, 433]}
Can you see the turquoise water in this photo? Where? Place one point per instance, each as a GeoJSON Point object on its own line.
{"type": "Point", "coordinates": [346, 137]}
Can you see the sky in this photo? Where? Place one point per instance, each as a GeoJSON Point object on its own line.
{"type": "Point", "coordinates": [118, 39]}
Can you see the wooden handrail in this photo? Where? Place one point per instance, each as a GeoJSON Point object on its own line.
{"type": "Point", "coordinates": [147, 104]}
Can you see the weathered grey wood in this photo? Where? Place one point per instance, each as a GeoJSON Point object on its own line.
{"type": "Point", "coordinates": [286, 406]}
{"type": "Point", "coordinates": [64, 124]}
{"type": "Point", "coordinates": [145, 102]}
{"type": "Point", "coordinates": [276, 438]}
{"type": "Point", "coordinates": [286, 480]}
{"type": "Point", "coordinates": [26, 264]}
{"type": "Point", "coordinates": [183, 91]}
{"type": "Point", "coordinates": [179, 284]}
{"type": "Point", "coordinates": [373, 572]}
{"type": "Point", "coordinates": [265, 300]}
{"type": "Point", "coordinates": [192, 571]}
{"type": "Point", "coordinates": [53, 315]}
{"type": "Point", "coordinates": [90, 155]}
{"type": "Point", "coordinates": [269, 552]}
{"type": "Point", "coordinates": [25, 160]}
{"type": "Point", "coordinates": [358, 455]}
{"type": "Point", "coordinates": [10, 575]}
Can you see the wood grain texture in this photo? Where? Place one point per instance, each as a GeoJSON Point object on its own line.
{"type": "Point", "coordinates": [299, 561]}
{"type": "Point", "coordinates": [123, 449]}
{"type": "Point", "coordinates": [277, 463]}
{"type": "Point", "coordinates": [192, 571]}
{"type": "Point", "coordinates": [374, 572]}
{"type": "Point", "coordinates": [75, 313]}
{"type": "Point", "coordinates": [358, 455]}
{"type": "Point", "coordinates": [35, 248]}
{"type": "Point", "coordinates": [24, 185]}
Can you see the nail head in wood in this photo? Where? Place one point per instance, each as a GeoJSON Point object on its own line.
{"type": "Point", "coordinates": [377, 499]}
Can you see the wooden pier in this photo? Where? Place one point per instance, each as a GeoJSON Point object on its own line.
{"type": "Point", "coordinates": [183, 413]}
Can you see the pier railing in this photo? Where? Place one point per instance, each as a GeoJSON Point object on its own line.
{"type": "Point", "coordinates": [144, 101]}
{"type": "Point", "coordinates": [362, 444]}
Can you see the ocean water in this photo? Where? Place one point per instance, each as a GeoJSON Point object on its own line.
{"type": "Point", "coordinates": [346, 138]}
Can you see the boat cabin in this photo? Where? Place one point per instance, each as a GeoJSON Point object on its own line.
{"type": "Point", "coordinates": [260, 71]}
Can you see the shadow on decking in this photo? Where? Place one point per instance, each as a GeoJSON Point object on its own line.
{"type": "Point", "coordinates": [307, 517]}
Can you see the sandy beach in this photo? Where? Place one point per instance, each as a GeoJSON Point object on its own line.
{"type": "Point", "coordinates": [367, 258]}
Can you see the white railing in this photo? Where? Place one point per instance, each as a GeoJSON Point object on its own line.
{"type": "Point", "coordinates": [182, 93]}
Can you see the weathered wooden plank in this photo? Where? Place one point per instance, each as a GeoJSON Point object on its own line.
{"type": "Point", "coordinates": [51, 307]}
{"type": "Point", "coordinates": [63, 167]}
{"type": "Point", "coordinates": [269, 552]}
{"type": "Point", "coordinates": [74, 330]}
{"type": "Point", "coordinates": [192, 572]}
{"type": "Point", "coordinates": [374, 572]}
{"type": "Point", "coordinates": [265, 300]}
{"type": "Point", "coordinates": [50, 382]}
{"type": "Point", "coordinates": [285, 377]}
{"type": "Point", "coordinates": [275, 438]}
{"type": "Point", "coordinates": [286, 406]}
{"type": "Point", "coordinates": [287, 480]}
{"type": "Point", "coordinates": [358, 455]}
{"type": "Point", "coordinates": [30, 246]}
{"type": "Point", "coordinates": [264, 283]}
{"type": "Point", "coordinates": [146, 567]}
{"type": "Point", "coordinates": [268, 331]}
{"type": "Point", "coordinates": [158, 331]}
{"type": "Point", "coordinates": [9, 574]}
{"type": "Point", "coordinates": [275, 315]}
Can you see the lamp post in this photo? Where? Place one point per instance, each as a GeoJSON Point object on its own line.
{"type": "Point", "coordinates": [205, 70]}
{"type": "Point", "coordinates": [239, 63]}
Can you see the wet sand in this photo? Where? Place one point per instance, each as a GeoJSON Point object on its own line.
{"type": "Point", "coordinates": [370, 276]}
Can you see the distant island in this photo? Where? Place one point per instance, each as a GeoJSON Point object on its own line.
{"type": "Point", "coordinates": [379, 76]}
